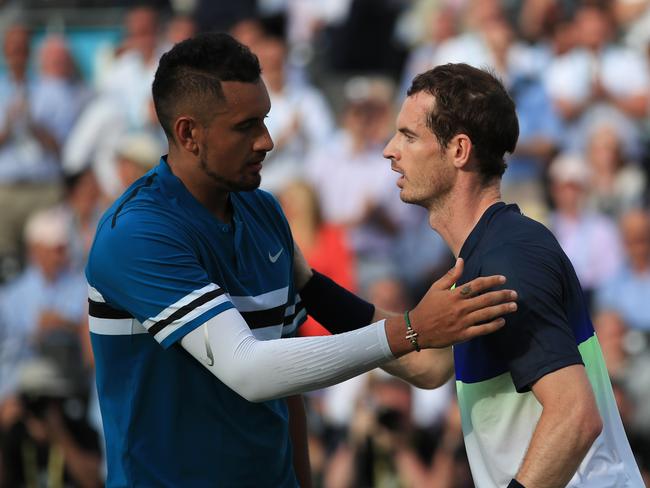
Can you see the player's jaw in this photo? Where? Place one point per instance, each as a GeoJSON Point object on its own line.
{"type": "Point", "coordinates": [246, 177]}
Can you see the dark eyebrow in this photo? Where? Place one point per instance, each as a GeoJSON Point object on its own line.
{"type": "Point", "coordinates": [407, 132]}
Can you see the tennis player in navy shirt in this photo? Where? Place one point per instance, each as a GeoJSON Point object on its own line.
{"type": "Point", "coordinates": [536, 403]}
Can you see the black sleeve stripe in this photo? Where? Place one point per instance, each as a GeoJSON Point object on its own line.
{"type": "Point", "coordinates": [265, 318]}
{"type": "Point", "coordinates": [181, 312]}
{"type": "Point", "coordinates": [102, 310]}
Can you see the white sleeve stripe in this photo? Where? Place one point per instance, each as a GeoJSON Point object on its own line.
{"type": "Point", "coordinates": [94, 295]}
{"type": "Point", "coordinates": [177, 324]}
{"type": "Point", "coordinates": [271, 299]}
{"type": "Point", "coordinates": [115, 326]}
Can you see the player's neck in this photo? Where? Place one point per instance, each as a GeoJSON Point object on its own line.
{"type": "Point", "coordinates": [215, 200]}
{"type": "Point", "coordinates": [455, 219]}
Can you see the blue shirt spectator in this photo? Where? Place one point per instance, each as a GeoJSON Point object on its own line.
{"type": "Point", "coordinates": [627, 292]}
{"type": "Point", "coordinates": [45, 299]}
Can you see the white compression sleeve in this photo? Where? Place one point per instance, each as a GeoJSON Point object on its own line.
{"type": "Point", "coordinates": [263, 370]}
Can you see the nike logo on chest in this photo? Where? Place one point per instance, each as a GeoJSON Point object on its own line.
{"type": "Point", "coordinates": [274, 258]}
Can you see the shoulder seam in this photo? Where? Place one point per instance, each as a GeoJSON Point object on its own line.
{"type": "Point", "coordinates": [134, 192]}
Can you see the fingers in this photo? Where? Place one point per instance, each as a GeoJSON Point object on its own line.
{"type": "Point", "coordinates": [490, 313]}
{"type": "Point", "coordinates": [490, 298]}
{"type": "Point", "coordinates": [476, 286]}
{"type": "Point", "coordinates": [483, 329]}
{"type": "Point", "coordinates": [451, 276]}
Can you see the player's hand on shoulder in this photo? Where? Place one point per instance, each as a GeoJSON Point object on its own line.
{"type": "Point", "coordinates": [445, 316]}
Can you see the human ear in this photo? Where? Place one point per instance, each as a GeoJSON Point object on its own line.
{"type": "Point", "coordinates": [460, 148]}
{"type": "Point", "coordinates": [187, 130]}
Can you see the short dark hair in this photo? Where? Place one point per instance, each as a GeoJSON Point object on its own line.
{"type": "Point", "coordinates": [192, 72]}
{"type": "Point", "coordinates": [473, 102]}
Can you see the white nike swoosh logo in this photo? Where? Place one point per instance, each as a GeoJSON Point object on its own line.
{"type": "Point", "coordinates": [273, 259]}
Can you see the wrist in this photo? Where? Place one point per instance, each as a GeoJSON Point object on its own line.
{"type": "Point", "coordinates": [411, 334]}
{"type": "Point", "coordinates": [395, 334]}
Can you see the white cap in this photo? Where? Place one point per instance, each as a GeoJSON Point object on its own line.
{"type": "Point", "coordinates": [50, 227]}
{"type": "Point", "coordinates": [360, 89]}
{"type": "Point", "coordinates": [570, 168]}
{"type": "Point", "coordinates": [42, 377]}
{"type": "Point", "coordinates": [141, 148]}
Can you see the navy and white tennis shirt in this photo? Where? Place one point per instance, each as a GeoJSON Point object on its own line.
{"type": "Point", "coordinates": [162, 265]}
{"type": "Point", "coordinates": [550, 330]}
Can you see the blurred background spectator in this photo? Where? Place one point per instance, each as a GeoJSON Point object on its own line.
{"type": "Point", "coordinates": [50, 443]}
{"type": "Point", "coordinates": [77, 127]}
{"type": "Point", "coordinates": [578, 227]}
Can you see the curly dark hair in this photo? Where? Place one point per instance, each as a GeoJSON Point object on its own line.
{"type": "Point", "coordinates": [473, 102]}
{"type": "Point", "coordinates": [189, 76]}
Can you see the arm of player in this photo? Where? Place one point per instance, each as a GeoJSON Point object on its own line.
{"type": "Point", "coordinates": [429, 368]}
{"type": "Point", "coordinates": [426, 369]}
{"type": "Point", "coordinates": [262, 370]}
{"type": "Point", "coordinates": [298, 432]}
{"type": "Point", "coordinates": [569, 425]}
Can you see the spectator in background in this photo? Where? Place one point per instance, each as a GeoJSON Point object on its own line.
{"type": "Point", "coordinates": [449, 466]}
{"type": "Point", "coordinates": [248, 31]}
{"type": "Point", "coordinates": [127, 79]}
{"type": "Point", "coordinates": [421, 256]}
{"type": "Point", "coordinates": [540, 129]}
{"type": "Point", "coordinates": [599, 80]}
{"type": "Point", "coordinates": [633, 17]}
{"type": "Point", "coordinates": [362, 41]}
{"type": "Point", "coordinates": [324, 245]}
{"type": "Point", "coordinates": [578, 229]}
{"type": "Point", "coordinates": [356, 187]}
{"type": "Point", "coordinates": [82, 205]}
{"type": "Point", "coordinates": [471, 44]}
{"type": "Point", "coordinates": [616, 184]}
{"type": "Point", "coordinates": [379, 451]}
{"type": "Point", "coordinates": [137, 153]}
{"type": "Point", "coordinates": [47, 446]}
{"type": "Point", "coordinates": [43, 309]}
{"type": "Point", "coordinates": [443, 25]}
{"type": "Point", "coordinates": [179, 28]}
{"type": "Point", "coordinates": [614, 337]}
{"type": "Point", "coordinates": [124, 102]}
{"type": "Point", "coordinates": [35, 118]}
{"type": "Point", "coordinates": [628, 291]}
{"type": "Point", "coordinates": [300, 119]}
{"type": "Point", "coordinates": [221, 15]}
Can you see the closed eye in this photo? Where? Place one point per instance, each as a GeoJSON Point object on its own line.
{"type": "Point", "coordinates": [409, 134]}
{"type": "Point", "coordinates": [249, 124]}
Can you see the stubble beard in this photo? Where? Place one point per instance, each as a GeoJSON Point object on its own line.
{"type": "Point", "coordinates": [436, 196]}
{"type": "Point", "coordinates": [229, 185]}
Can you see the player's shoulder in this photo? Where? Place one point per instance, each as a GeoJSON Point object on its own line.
{"type": "Point", "coordinates": [139, 207]}
{"type": "Point", "coordinates": [515, 241]}
{"type": "Point", "coordinates": [137, 222]}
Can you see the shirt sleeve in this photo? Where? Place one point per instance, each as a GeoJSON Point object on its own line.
{"type": "Point", "coordinates": [146, 266]}
{"type": "Point", "coordinates": [537, 339]}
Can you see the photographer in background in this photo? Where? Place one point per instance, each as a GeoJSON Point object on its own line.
{"type": "Point", "coordinates": [380, 451]}
{"type": "Point", "coordinates": [50, 445]}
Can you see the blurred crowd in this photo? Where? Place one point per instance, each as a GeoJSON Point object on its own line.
{"type": "Point", "coordinates": [336, 72]}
